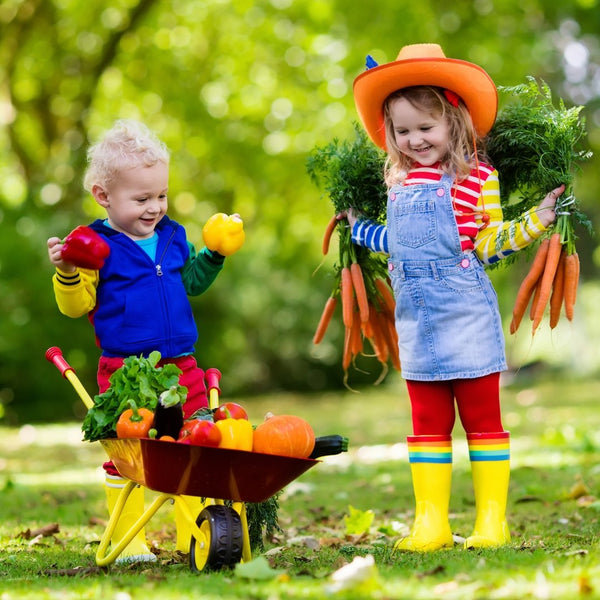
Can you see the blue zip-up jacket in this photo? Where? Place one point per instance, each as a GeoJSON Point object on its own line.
{"type": "Point", "coordinates": [142, 305]}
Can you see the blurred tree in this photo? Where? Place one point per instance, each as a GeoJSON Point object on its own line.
{"type": "Point", "coordinates": [241, 91]}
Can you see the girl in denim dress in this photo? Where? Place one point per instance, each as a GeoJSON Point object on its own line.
{"type": "Point", "coordinates": [444, 223]}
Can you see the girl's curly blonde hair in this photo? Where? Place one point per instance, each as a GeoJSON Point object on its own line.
{"type": "Point", "coordinates": [464, 142]}
{"type": "Point", "coordinates": [128, 144]}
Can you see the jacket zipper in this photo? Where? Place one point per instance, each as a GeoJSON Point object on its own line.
{"type": "Point", "coordinates": [158, 266]}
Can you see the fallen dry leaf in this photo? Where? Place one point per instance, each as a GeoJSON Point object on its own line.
{"type": "Point", "coordinates": [330, 542]}
{"type": "Point", "coordinates": [585, 587]}
{"type": "Point", "coordinates": [578, 489]}
{"type": "Point", "coordinates": [44, 531]}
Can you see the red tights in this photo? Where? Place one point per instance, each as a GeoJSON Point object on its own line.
{"type": "Point", "coordinates": [477, 400]}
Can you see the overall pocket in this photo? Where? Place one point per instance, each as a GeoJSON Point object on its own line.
{"type": "Point", "coordinates": [414, 222]}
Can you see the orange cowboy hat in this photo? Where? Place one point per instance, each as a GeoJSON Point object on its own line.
{"type": "Point", "coordinates": [424, 64]}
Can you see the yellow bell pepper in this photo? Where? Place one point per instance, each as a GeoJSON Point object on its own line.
{"type": "Point", "coordinates": [236, 434]}
{"type": "Point", "coordinates": [224, 233]}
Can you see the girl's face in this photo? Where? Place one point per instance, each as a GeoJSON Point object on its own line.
{"type": "Point", "coordinates": [136, 200]}
{"type": "Point", "coordinates": [424, 137]}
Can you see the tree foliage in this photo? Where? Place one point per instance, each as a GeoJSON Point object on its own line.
{"type": "Point", "coordinates": [241, 92]}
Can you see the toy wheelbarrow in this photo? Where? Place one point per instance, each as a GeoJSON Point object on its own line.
{"type": "Point", "coordinates": [219, 533]}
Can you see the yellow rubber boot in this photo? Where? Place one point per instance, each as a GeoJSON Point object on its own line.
{"type": "Point", "coordinates": [136, 550]}
{"type": "Point", "coordinates": [490, 466]}
{"type": "Point", "coordinates": [183, 523]}
{"type": "Point", "coordinates": [431, 466]}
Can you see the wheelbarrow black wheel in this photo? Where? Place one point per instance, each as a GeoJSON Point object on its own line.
{"type": "Point", "coordinates": [222, 541]}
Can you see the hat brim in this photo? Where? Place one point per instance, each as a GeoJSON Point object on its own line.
{"type": "Point", "coordinates": [469, 81]}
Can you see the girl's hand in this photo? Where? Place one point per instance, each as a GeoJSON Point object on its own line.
{"type": "Point", "coordinates": [349, 215]}
{"type": "Point", "coordinates": [546, 208]}
{"type": "Point", "coordinates": [54, 254]}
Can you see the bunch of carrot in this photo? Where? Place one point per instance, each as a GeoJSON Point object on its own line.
{"type": "Point", "coordinates": [552, 279]}
{"type": "Point", "coordinates": [367, 302]}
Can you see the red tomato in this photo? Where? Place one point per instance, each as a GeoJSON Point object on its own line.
{"type": "Point", "coordinates": [205, 433]}
{"type": "Point", "coordinates": [186, 431]}
{"type": "Point", "coordinates": [230, 410]}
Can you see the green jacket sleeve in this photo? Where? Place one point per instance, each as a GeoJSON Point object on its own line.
{"type": "Point", "coordinates": [200, 270]}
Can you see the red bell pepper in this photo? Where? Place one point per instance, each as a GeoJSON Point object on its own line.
{"type": "Point", "coordinates": [83, 247]}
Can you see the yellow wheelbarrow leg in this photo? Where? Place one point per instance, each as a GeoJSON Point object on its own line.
{"type": "Point", "coordinates": [183, 520]}
{"type": "Point", "coordinates": [240, 508]}
{"type": "Point", "coordinates": [104, 556]}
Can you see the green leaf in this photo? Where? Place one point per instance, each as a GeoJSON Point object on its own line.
{"type": "Point", "coordinates": [257, 569]}
{"type": "Point", "coordinates": [358, 521]}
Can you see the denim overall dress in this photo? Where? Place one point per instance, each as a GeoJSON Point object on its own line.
{"type": "Point", "coordinates": [447, 314]}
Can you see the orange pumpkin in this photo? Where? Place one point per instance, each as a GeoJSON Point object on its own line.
{"type": "Point", "coordinates": [284, 435]}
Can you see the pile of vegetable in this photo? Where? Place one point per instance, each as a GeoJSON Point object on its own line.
{"type": "Point", "coordinates": [146, 401]}
{"type": "Point", "coordinates": [136, 385]}
{"type": "Point", "coordinates": [228, 426]}
{"type": "Point", "coordinates": [352, 176]}
{"type": "Point", "coordinates": [537, 146]}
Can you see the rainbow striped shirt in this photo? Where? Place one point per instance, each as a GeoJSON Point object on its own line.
{"type": "Point", "coordinates": [470, 197]}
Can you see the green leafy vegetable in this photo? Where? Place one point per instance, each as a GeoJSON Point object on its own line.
{"type": "Point", "coordinates": [139, 379]}
{"type": "Point", "coordinates": [263, 520]}
{"type": "Point", "coordinates": [352, 175]}
{"type": "Point", "coordinates": [537, 146]}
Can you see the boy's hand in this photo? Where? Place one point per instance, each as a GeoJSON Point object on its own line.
{"type": "Point", "coordinates": [54, 254]}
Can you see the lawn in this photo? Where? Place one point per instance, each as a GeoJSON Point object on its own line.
{"type": "Point", "coordinates": [52, 513]}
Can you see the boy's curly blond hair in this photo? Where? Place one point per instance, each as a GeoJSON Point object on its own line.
{"type": "Point", "coordinates": [128, 144]}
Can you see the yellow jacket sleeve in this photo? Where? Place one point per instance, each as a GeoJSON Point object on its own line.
{"type": "Point", "coordinates": [501, 238]}
{"type": "Point", "coordinates": [75, 293]}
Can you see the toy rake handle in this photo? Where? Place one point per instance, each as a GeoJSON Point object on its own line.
{"type": "Point", "coordinates": [55, 356]}
{"type": "Point", "coordinates": [213, 376]}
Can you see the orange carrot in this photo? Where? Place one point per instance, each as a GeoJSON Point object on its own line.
{"type": "Point", "coordinates": [347, 297]}
{"type": "Point", "coordinates": [528, 284]}
{"type": "Point", "coordinates": [347, 353]}
{"type": "Point", "coordinates": [391, 344]}
{"type": "Point", "coordinates": [329, 232]}
{"type": "Point", "coordinates": [558, 289]}
{"type": "Point", "coordinates": [356, 342]}
{"type": "Point", "coordinates": [571, 282]}
{"type": "Point", "coordinates": [386, 293]}
{"type": "Point", "coordinates": [393, 336]}
{"type": "Point", "coordinates": [377, 339]}
{"type": "Point", "coordinates": [326, 316]}
{"type": "Point", "coordinates": [554, 250]}
{"type": "Point", "coordinates": [535, 299]}
{"type": "Point", "coordinates": [358, 283]}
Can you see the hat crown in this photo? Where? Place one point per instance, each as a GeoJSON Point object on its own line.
{"type": "Point", "coordinates": [413, 51]}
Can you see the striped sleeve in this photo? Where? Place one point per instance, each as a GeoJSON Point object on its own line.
{"type": "Point", "coordinates": [75, 293]}
{"type": "Point", "coordinates": [371, 235]}
{"type": "Point", "coordinates": [502, 238]}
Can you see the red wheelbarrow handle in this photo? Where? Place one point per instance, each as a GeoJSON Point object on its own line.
{"type": "Point", "coordinates": [55, 356]}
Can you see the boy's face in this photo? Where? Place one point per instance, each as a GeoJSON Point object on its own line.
{"type": "Point", "coordinates": [136, 200]}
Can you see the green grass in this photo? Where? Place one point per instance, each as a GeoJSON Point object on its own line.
{"type": "Point", "coordinates": [47, 475]}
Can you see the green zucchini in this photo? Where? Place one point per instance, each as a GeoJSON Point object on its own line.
{"type": "Point", "coordinates": [328, 445]}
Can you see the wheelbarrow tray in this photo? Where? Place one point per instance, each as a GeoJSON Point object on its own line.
{"type": "Point", "coordinates": [175, 468]}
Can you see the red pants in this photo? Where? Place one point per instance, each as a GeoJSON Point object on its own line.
{"type": "Point", "coordinates": [192, 377]}
{"type": "Point", "coordinates": [477, 401]}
